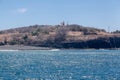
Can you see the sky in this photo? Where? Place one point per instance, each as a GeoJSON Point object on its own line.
{"type": "Point", "coordinates": [103, 14]}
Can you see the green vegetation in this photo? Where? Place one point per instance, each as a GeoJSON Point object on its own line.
{"type": "Point", "coordinates": [117, 31]}
{"type": "Point", "coordinates": [25, 38]}
{"type": "Point", "coordinates": [36, 32]}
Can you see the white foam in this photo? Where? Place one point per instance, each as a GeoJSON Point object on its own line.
{"type": "Point", "coordinates": [9, 50]}
{"type": "Point", "coordinates": [86, 76]}
{"type": "Point", "coordinates": [54, 50]}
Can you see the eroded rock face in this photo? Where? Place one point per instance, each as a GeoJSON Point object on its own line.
{"type": "Point", "coordinates": [112, 42]}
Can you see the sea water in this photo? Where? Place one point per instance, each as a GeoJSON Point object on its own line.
{"type": "Point", "coordinates": [60, 65]}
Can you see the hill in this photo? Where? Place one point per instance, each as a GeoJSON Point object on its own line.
{"type": "Point", "coordinates": [60, 36]}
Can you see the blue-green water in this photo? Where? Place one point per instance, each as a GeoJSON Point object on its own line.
{"type": "Point", "coordinates": [60, 65]}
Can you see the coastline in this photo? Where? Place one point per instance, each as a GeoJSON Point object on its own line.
{"type": "Point", "coordinates": [22, 47]}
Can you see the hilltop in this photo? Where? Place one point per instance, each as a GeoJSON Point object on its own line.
{"type": "Point", "coordinates": [60, 36]}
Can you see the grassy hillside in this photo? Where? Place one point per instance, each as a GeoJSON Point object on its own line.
{"type": "Point", "coordinates": [60, 36]}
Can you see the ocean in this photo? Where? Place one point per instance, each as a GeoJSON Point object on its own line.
{"type": "Point", "coordinates": [60, 65]}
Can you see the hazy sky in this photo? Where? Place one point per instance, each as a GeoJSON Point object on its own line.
{"type": "Point", "coordinates": [95, 13]}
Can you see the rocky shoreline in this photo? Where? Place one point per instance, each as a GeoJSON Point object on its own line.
{"type": "Point", "coordinates": [22, 47]}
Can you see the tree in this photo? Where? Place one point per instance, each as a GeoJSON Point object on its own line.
{"type": "Point", "coordinates": [60, 34]}
{"type": "Point", "coordinates": [25, 37]}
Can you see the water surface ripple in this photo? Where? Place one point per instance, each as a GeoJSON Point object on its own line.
{"type": "Point", "coordinates": [60, 65]}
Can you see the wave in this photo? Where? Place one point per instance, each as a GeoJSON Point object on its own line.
{"type": "Point", "coordinates": [54, 50]}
